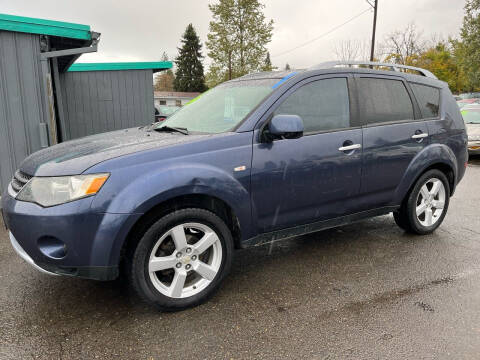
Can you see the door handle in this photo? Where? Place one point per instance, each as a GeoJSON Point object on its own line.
{"type": "Point", "coordinates": [419, 136]}
{"type": "Point", "coordinates": [350, 147]}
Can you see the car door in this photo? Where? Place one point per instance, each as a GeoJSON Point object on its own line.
{"type": "Point", "coordinates": [314, 177]}
{"type": "Point", "coordinates": [394, 134]}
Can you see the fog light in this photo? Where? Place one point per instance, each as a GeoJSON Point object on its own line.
{"type": "Point", "coordinates": [52, 247]}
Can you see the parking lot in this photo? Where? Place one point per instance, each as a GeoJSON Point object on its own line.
{"type": "Point", "coordinates": [362, 291]}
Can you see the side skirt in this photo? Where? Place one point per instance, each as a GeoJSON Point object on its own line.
{"type": "Point", "coordinates": [282, 234]}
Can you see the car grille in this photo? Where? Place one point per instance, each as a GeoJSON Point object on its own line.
{"type": "Point", "coordinates": [19, 180]}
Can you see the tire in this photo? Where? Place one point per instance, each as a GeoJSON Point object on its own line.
{"type": "Point", "coordinates": [172, 271]}
{"type": "Point", "coordinates": [432, 205]}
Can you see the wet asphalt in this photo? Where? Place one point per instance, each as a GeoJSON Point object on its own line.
{"type": "Point", "coordinates": [362, 291]}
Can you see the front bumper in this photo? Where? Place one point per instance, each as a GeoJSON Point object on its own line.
{"type": "Point", "coordinates": [18, 249]}
{"type": "Point", "coordinates": [87, 272]}
{"type": "Point", "coordinates": [68, 239]}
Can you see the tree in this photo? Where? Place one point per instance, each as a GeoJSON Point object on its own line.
{"type": "Point", "coordinates": [468, 49]}
{"type": "Point", "coordinates": [402, 46]}
{"type": "Point", "coordinates": [347, 50]}
{"type": "Point", "coordinates": [164, 80]}
{"type": "Point", "coordinates": [237, 39]}
{"type": "Point", "coordinates": [189, 75]}
{"type": "Point", "coordinates": [287, 66]}
{"type": "Point", "coordinates": [267, 64]}
{"type": "Point", "coordinates": [440, 60]}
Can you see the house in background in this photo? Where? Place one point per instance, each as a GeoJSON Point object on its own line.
{"type": "Point", "coordinates": [171, 98]}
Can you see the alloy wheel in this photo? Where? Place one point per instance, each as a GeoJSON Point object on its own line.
{"type": "Point", "coordinates": [185, 260]}
{"type": "Point", "coordinates": [430, 202]}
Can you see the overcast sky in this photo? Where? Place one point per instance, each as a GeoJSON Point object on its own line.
{"type": "Point", "coordinates": [141, 30]}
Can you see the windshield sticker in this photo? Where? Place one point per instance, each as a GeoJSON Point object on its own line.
{"type": "Point", "coordinates": [283, 80]}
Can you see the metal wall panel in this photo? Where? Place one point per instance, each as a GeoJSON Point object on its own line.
{"type": "Point", "coordinates": [21, 100]}
{"type": "Point", "coordinates": [100, 101]}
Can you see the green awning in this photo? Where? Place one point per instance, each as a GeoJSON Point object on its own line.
{"type": "Point", "coordinates": [161, 65]}
{"type": "Point", "coordinates": [44, 27]}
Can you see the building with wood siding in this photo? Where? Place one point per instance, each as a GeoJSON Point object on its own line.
{"type": "Point", "coordinates": [44, 99]}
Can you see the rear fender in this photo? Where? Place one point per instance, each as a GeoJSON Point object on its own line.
{"type": "Point", "coordinates": [429, 156]}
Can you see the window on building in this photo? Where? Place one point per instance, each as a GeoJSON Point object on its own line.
{"type": "Point", "coordinates": [428, 99]}
{"type": "Point", "coordinates": [384, 100]}
{"type": "Point", "coordinates": [323, 105]}
{"type": "Point", "coordinates": [178, 102]}
{"type": "Point", "coordinates": [163, 102]}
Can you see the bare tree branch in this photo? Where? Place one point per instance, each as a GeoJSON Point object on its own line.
{"type": "Point", "coordinates": [352, 50]}
{"type": "Point", "coordinates": [402, 46]}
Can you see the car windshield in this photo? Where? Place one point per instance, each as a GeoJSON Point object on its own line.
{"type": "Point", "coordinates": [221, 108]}
{"type": "Point", "coordinates": [471, 116]}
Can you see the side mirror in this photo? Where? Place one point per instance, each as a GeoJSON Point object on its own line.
{"type": "Point", "coordinates": [285, 126]}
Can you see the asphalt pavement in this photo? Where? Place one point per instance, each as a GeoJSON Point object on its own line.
{"type": "Point", "coordinates": [362, 291]}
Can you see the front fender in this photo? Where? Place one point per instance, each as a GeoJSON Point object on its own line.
{"type": "Point", "coordinates": [430, 155]}
{"type": "Point", "coordinates": [144, 192]}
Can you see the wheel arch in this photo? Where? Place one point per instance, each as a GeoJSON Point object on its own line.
{"type": "Point", "coordinates": [436, 156]}
{"type": "Point", "coordinates": [202, 201]}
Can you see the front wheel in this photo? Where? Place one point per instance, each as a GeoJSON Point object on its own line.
{"type": "Point", "coordinates": [426, 206]}
{"type": "Point", "coordinates": [181, 259]}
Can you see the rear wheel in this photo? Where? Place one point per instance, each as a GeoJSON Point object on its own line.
{"type": "Point", "coordinates": [181, 259]}
{"type": "Point", "coordinates": [426, 206]}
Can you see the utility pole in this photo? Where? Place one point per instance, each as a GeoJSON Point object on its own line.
{"type": "Point", "coordinates": [375, 8]}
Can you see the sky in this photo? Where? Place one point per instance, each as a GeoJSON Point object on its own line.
{"type": "Point", "coordinates": [142, 30]}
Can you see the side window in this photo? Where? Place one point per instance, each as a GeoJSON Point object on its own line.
{"type": "Point", "coordinates": [384, 100]}
{"type": "Point", "coordinates": [428, 99]}
{"type": "Point", "coordinates": [323, 105]}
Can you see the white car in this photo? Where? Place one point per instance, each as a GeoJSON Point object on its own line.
{"type": "Point", "coordinates": [471, 116]}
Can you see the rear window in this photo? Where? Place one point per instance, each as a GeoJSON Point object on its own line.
{"type": "Point", "coordinates": [428, 99]}
{"type": "Point", "coordinates": [384, 100]}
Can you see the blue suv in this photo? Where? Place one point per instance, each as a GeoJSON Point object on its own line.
{"type": "Point", "coordinates": [257, 159]}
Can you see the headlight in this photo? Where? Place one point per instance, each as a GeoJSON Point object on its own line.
{"type": "Point", "coordinates": [50, 191]}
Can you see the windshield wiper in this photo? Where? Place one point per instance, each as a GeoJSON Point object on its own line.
{"type": "Point", "coordinates": [181, 130]}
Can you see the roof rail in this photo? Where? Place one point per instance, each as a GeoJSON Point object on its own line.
{"type": "Point", "coordinates": [393, 67]}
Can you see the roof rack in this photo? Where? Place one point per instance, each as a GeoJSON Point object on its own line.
{"type": "Point", "coordinates": [393, 67]}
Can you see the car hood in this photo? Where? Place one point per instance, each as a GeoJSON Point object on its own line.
{"type": "Point", "coordinates": [75, 156]}
{"type": "Point", "coordinates": [473, 129]}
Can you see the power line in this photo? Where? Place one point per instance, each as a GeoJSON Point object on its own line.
{"type": "Point", "coordinates": [322, 35]}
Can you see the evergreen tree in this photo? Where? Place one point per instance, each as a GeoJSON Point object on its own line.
{"type": "Point", "coordinates": [287, 66]}
{"type": "Point", "coordinates": [189, 75]}
{"type": "Point", "coordinates": [237, 40]}
{"type": "Point", "coordinates": [267, 65]}
{"type": "Point", "coordinates": [164, 80]}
